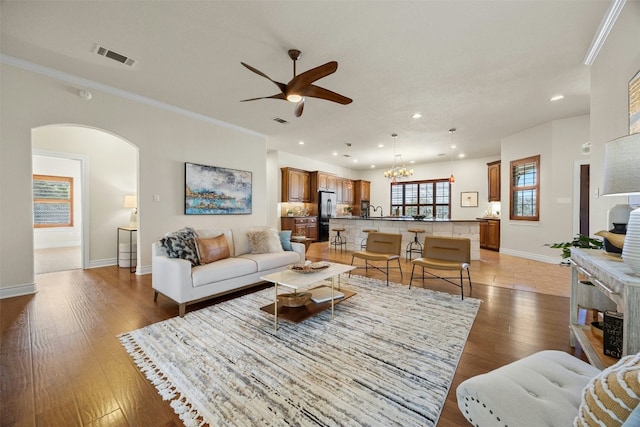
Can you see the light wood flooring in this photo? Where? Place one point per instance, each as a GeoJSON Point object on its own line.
{"type": "Point", "coordinates": [62, 365]}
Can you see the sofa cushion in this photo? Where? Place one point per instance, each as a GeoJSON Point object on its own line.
{"type": "Point", "coordinates": [214, 232]}
{"type": "Point", "coordinates": [273, 260]}
{"type": "Point", "coordinates": [264, 241]}
{"type": "Point", "coordinates": [285, 240]}
{"type": "Point", "coordinates": [610, 396]}
{"type": "Point", "coordinates": [223, 269]}
{"type": "Point", "coordinates": [212, 249]}
{"type": "Point", "coordinates": [181, 244]}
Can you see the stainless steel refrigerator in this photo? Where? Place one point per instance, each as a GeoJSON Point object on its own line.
{"type": "Point", "coordinates": [326, 210]}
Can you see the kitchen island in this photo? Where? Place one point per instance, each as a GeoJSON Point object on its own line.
{"type": "Point", "coordinates": [400, 225]}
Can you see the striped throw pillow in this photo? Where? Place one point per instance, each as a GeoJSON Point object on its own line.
{"type": "Point", "coordinates": [611, 395]}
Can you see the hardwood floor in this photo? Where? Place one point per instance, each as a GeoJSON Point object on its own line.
{"type": "Point", "coordinates": [61, 363]}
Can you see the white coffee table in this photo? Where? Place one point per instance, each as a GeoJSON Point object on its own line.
{"type": "Point", "coordinates": [300, 281]}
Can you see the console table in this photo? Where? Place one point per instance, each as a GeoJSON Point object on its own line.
{"type": "Point", "coordinates": [614, 279]}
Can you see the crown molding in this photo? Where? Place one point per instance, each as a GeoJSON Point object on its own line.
{"type": "Point", "coordinates": [85, 83]}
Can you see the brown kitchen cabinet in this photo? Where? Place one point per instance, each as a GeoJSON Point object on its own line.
{"type": "Point", "coordinates": [361, 191]}
{"type": "Point", "coordinates": [295, 185]}
{"type": "Point", "coordinates": [494, 181]}
{"type": "Point", "coordinates": [301, 226]}
{"type": "Point", "coordinates": [346, 190]}
{"type": "Point", "coordinates": [490, 234]}
{"type": "Point", "coordinates": [323, 181]}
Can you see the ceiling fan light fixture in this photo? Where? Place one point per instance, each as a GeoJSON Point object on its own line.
{"type": "Point", "coordinates": [294, 98]}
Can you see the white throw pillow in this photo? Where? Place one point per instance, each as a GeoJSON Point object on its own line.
{"type": "Point", "coordinates": [265, 241]}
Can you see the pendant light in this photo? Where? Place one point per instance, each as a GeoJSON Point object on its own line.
{"type": "Point", "coordinates": [397, 172]}
{"type": "Point", "coordinates": [452, 178]}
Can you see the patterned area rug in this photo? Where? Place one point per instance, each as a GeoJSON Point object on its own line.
{"type": "Point", "coordinates": [386, 359]}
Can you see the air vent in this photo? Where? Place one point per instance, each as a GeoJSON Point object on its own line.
{"type": "Point", "coordinates": [279, 120]}
{"type": "Point", "coordinates": [346, 155]}
{"type": "Point", "coordinates": [108, 53]}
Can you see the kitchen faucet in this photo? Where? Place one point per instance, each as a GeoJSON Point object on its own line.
{"type": "Point", "coordinates": [375, 209]}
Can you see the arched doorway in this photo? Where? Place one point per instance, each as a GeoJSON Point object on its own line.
{"type": "Point", "coordinates": [109, 172]}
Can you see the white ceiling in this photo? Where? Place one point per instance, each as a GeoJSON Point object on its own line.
{"type": "Point", "coordinates": [487, 68]}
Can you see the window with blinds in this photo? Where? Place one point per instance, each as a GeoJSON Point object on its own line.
{"type": "Point", "coordinates": [52, 201]}
{"type": "Point", "coordinates": [431, 198]}
{"type": "Point", "coordinates": [525, 189]}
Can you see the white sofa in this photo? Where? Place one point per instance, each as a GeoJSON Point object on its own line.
{"type": "Point", "coordinates": [183, 283]}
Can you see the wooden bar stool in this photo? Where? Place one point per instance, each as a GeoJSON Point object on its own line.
{"type": "Point", "coordinates": [415, 246]}
{"type": "Point", "coordinates": [363, 242]}
{"type": "Point", "coordinates": [338, 240]}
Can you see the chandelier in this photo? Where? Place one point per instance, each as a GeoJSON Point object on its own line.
{"type": "Point", "coordinates": [397, 172]}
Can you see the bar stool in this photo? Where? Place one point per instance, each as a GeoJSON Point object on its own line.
{"type": "Point", "coordinates": [338, 240]}
{"type": "Point", "coordinates": [415, 246]}
{"type": "Point", "coordinates": [363, 242]}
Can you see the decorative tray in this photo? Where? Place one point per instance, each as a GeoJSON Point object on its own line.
{"type": "Point", "coordinates": [308, 267]}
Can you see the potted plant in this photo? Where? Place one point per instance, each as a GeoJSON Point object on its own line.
{"type": "Point", "coordinates": [580, 241]}
{"type": "Point", "coordinates": [347, 210]}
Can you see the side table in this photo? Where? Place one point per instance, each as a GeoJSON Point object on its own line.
{"type": "Point", "coordinates": [131, 230]}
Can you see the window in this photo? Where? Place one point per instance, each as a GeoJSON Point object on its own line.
{"type": "Point", "coordinates": [430, 198]}
{"type": "Point", "coordinates": [525, 189]}
{"type": "Point", "coordinates": [52, 201]}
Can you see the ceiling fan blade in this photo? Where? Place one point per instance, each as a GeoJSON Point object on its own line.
{"type": "Point", "coordinates": [299, 108]}
{"type": "Point", "coordinates": [310, 76]}
{"type": "Point", "coordinates": [282, 86]}
{"type": "Point", "coordinates": [319, 92]}
{"type": "Point", "coordinates": [276, 96]}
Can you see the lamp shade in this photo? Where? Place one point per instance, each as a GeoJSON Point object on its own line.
{"type": "Point", "coordinates": [130, 202]}
{"type": "Point", "coordinates": [621, 161]}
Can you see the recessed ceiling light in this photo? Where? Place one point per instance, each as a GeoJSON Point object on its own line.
{"type": "Point", "coordinates": [412, 161]}
{"type": "Point", "coordinates": [301, 142]}
{"type": "Point", "coordinates": [416, 116]}
{"type": "Point", "coordinates": [452, 147]}
{"type": "Point", "coordinates": [556, 98]}
{"type": "Point", "coordinates": [373, 166]}
{"type": "Point", "coordinates": [355, 160]}
{"type": "Point", "coordinates": [461, 155]}
{"type": "Point", "coordinates": [380, 145]}
{"type": "Point", "coordinates": [335, 153]}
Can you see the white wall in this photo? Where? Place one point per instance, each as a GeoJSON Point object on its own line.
{"type": "Point", "coordinates": [165, 139]}
{"type": "Point", "coordinates": [559, 145]}
{"type": "Point", "coordinates": [111, 165]}
{"type": "Point", "coordinates": [616, 64]}
{"type": "Point", "coordinates": [471, 175]}
{"type": "Point", "coordinates": [60, 237]}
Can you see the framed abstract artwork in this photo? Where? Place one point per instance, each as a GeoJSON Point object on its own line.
{"type": "Point", "coordinates": [634, 104]}
{"type": "Point", "coordinates": [469, 199]}
{"type": "Point", "coordinates": [212, 190]}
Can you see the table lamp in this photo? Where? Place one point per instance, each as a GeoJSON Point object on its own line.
{"type": "Point", "coordinates": [622, 177]}
{"type": "Point", "coordinates": [131, 202]}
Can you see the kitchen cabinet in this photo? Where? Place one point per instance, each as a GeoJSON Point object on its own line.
{"type": "Point", "coordinates": [361, 191]}
{"type": "Point", "coordinates": [490, 234]}
{"type": "Point", "coordinates": [301, 226]}
{"type": "Point", "coordinates": [344, 191]}
{"type": "Point", "coordinates": [295, 185]}
{"type": "Point", "coordinates": [493, 170]}
{"type": "Point", "coordinates": [323, 181]}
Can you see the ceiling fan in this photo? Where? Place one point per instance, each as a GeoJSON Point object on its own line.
{"type": "Point", "coordinates": [301, 86]}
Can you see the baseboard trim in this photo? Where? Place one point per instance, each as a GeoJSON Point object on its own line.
{"type": "Point", "coordinates": [531, 256]}
{"type": "Point", "coordinates": [18, 291]}
{"type": "Point", "coordinates": [140, 270]}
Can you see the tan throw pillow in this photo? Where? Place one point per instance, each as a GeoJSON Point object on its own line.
{"type": "Point", "coordinates": [611, 395]}
{"type": "Point", "coordinates": [264, 241]}
{"type": "Point", "coordinates": [212, 249]}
